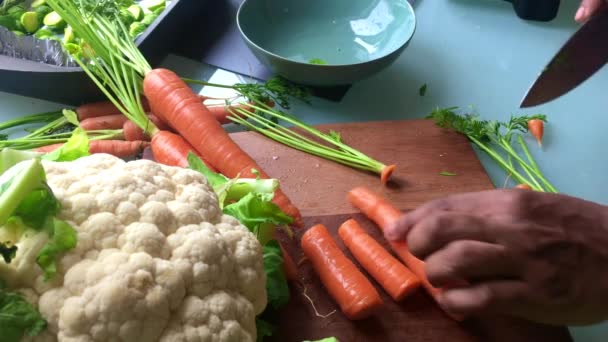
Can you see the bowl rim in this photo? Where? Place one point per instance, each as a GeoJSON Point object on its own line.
{"type": "Point", "coordinates": [386, 55]}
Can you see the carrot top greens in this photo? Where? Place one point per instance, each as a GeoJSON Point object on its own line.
{"type": "Point", "coordinates": [497, 140]}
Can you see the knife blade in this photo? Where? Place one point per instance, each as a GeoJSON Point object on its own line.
{"type": "Point", "coordinates": [580, 57]}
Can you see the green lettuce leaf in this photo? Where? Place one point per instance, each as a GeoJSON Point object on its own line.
{"type": "Point", "coordinates": [76, 147]}
{"type": "Point", "coordinates": [215, 179]}
{"type": "Point", "coordinates": [18, 318]}
{"type": "Point", "coordinates": [10, 157]}
{"type": "Point", "coordinates": [17, 183]}
{"type": "Point", "coordinates": [276, 282]}
{"type": "Point", "coordinates": [37, 206]}
{"type": "Point", "coordinates": [62, 238]}
{"type": "Point", "coordinates": [256, 212]}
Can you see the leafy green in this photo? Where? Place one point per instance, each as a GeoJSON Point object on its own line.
{"type": "Point", "coordinates": [27, 202]}
{"type": "Point", "coordinates": [76, 147]}
{"type": "Point", "coordinates": [18, 318]}
{"type": "Point", "coordinates": [276, 283]}
{"type": "Point", "coordinates": [17, 183]}
{"type": "Point", "coordinates": [231, 190]}
{"type": "Point", "coordinates": [215, 179]}
{"type": "Point", "coordinates": [36, 207]}
{"type": "Point", "coordinates": [10, 157]}
{"type": "Point", "coordinates": [256, 212]}
{"type": "Point", "coordinates": [63, 237]}
{"type": "Point", "coordinates": [496, 139]}
{"type": "Point", "coordinates": [8, 252]}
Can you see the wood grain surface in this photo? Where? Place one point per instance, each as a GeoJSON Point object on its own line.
{"type": "Point", "coordinates": [319, 187]}
{"type": "Point", "coordinates": [420, 150]}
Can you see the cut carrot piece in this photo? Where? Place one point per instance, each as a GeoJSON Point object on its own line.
{"type": "Point", "coordinates": [383, 213]}
{"type": "Point", "coordinates": [390, 273]}
{"type": "Point", "coordinates": [354, 293]}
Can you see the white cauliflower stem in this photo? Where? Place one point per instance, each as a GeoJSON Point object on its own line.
{"type": "Point", "coordinates": [156, 259]}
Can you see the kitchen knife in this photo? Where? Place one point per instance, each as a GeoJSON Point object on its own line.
{"type": "Point", "coordinates": [581, 57]}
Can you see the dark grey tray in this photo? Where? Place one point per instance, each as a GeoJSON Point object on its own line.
{"type": "Point", "coordinates": [69, 85]}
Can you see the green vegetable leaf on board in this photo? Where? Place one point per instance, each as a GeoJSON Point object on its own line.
{"type": "Point", "coordinates": [446, 173]}
{"type": "Point", "coordinates": [18, 318]}
{"type": "Point", "coordinates": [7, 252]}
{"type": "Point", "coordinates": [276, 283]}
{"type": "Point", "coordinates": [232, 190]}
{"type": "Point", "coordinates": [256, 212]}
{"type": "Point", "coordinates": [336, 136]}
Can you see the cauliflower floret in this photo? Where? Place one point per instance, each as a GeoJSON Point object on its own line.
{"type": "Point", "coordinates": [220, 316]}
{"type": "Point", "coordinates": [156, 259]}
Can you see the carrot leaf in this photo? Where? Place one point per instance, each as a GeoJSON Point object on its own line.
{"type": "Point", "coordinates": [496, 139]}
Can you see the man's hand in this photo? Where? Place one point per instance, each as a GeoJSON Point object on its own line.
{"type": "Point", "coordinates": [539, 256]}
{"type": "Point", "coordinates": [587, 9]}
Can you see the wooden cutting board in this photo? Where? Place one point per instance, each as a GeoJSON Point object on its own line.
{"type": "Point", "coordinates": [318, 187]}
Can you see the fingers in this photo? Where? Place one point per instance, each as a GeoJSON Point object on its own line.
{"type": "Point", "coordinates": [482, 203]}
{"type": "Point", "coordinates": [587, 9]}
{"type": "Point", "coordinates": [435, 231]}
{"type": "Point", "coordinates": [469, 261]}
{"type": "Point", "coordinates": [494, 296]}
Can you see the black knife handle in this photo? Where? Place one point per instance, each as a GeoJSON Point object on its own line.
{"type": "Point", "coordinates": [538, 10]}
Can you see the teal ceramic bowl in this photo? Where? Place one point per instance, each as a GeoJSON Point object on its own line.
{"type": "Point", "coordinates": [326, 42]}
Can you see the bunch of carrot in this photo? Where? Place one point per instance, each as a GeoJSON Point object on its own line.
{"type": "Point", "coordinates": [346, 284]}
{"type": "Point", "coordinates": [121, 72]}
{"type": "Point", "coordinates": [104, 115]}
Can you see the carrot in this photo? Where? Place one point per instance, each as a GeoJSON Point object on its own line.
{"type": "Point", "coordinates": [289, 267]}
{"type": "Point", "coordinates": [118, 148]}
{"type": "Point", "coordinates": [537, 129]}
{"type": "Point", "coordinates": [102, 108]}
{"type": "Point", "coordinates": [114, 121]}
{"type": "Point", "coordinates": [354, 293]}
{"type": "Point", "coordinates": [171, 149]}
{"type": "Point", "coordinates": [174, 102]}
{"type": "Point", "coordinates": [222, 112]}
{"type": "Point", "coordinates": [395, 278]}
{"type": "Point", "coordinates": [523, 187]}
{"type": "Point", "coordinates": [132, 132]}
{"type": "Point", "coordinates": [383, 213]}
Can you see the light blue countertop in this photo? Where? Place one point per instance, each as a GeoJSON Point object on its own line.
{"type": "Point", "coordinates": [469, 53]}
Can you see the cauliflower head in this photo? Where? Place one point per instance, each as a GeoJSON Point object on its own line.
{"type": "Point", "coordinates": [156, 259]}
